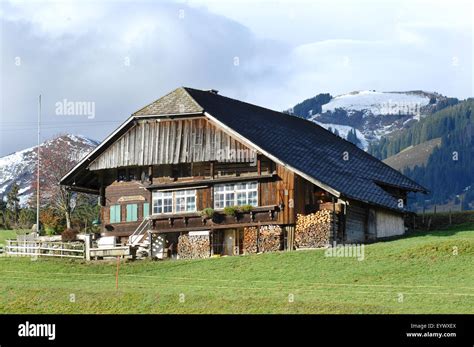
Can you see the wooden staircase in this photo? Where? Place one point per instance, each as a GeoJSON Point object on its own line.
{"type": "Point", "coordinates": [139, 240]}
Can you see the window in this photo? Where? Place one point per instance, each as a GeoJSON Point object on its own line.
{"type": "Point", "coordinates": [128, 174]}
{"type": "Point", "coordinates": [121, 175]}
{"type": "Point", "coordinates": [237, 194]}
{"type": "Point", "coordinates": [132, 175]}
{"type": "Point", "coordinates": [146, 210]}
{"type": "Point", "coordinates": [181, 170]}
{"type": "Point", "coordinates": [162, 202]}
{"type": "Point", "coordinates": [185, 200]}
{"type": "Point", "coordinates": [132, 213]}
{"type": "Point", "coordinates": [174, 202]}
{"type": "Point", "coordinates": [115, 214]}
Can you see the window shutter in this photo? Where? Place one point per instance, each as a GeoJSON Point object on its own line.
{"type": "Point", "coordinates": [135, 212]}
{"type": "Point", "coordinates": [146, 209]}
{"type": "Point", "coordinates": [132, 214]}
{"type": "Point", "coordinates": [115, 214]}
{"type": "Point", "coordinates": [129, 213]}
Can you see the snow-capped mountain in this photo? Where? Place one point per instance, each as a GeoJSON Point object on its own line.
{"type": "Point", "coordinates": [20, 166]}
{"type": "Point", "coordinates": [378, 103]}
{"type": "Point", "coordinates": [370, 113]}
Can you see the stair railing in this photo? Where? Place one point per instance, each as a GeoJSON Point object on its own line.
{"type": "Point", "coordinates": [135, 238]}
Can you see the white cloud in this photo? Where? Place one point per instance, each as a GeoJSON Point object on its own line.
{"type": "Point", "coordinates": [287, 51]}
{"type": "Point", "coordinates": [56, 18]}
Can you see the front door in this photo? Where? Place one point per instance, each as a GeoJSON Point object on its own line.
{"type": "Point", "coordinates": [229, 242]}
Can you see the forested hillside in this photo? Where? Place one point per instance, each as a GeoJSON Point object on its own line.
{"type": "Point", "coordinates": [449, 172]}
{"type": "Point", "coordinates": [310, 106]}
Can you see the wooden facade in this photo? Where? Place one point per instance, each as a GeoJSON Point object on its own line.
{"type": "Point", "coordinates": [199, 174]}
{"type": "Point", "coordinates": [158, 141]}
{"type": "Point", "coordinates": [166, 155]}
{"type": "Point", "coordinates": [275, 195]}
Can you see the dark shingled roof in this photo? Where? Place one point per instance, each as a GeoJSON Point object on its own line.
{"type": "Point", "coordinates": [304, 146]}
{"type": "Point", "coordinates": [309, 148]}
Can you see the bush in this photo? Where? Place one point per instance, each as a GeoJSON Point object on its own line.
{"type": "Point", "coordinates": [231, 210]}
{"type": "Point", "coordinates": [208, 212]}
{"type": "Point", "coordinates": [50, 231]}
{"type": "Point", "coordinates": [69, 235]}
{"type": "Point", "coordinates": [246, 208]}
{"type": "Point", "coordinates": [50, 221]}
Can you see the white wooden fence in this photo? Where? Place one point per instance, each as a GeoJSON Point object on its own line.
{"type": "Point", "coordinates": [28, 248]}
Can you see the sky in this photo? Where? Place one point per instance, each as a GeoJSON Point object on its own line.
{"type": "Point", "coordinates": [117, 56]}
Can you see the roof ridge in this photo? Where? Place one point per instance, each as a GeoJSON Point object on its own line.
{"type": "Point", "coordinates": [237, 100]}
{"type": "Point", "coordinates": [194, 100]}
{"type": "Point", "coordinates": [151, 103]}
{"type": "Point", "coordinates": [162, 98]}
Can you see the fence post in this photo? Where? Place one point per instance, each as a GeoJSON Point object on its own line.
{"type": "Point", "coordinates": [150, 238]}
{"type": "Point", "coordinates": [87, 246]}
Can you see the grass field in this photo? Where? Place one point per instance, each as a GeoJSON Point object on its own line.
{"type": "Point", "coordinates": [7, 234]}
{"type": "Point", "coordinates": [417, 274]}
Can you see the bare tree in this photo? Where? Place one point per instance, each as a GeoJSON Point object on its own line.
{"type": "Point", "coordinates": [55, 163]}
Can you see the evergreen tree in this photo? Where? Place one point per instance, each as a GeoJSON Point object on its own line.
{"type": "Point", "coordinates": [13, 203]}
{"type": "Point", "coordinates": [352, 137]}
{"type": "Point", "coordinates": [311, 106]}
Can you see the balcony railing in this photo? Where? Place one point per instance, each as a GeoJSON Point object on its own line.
{"type": "Point", "coordinates": [183, 221]}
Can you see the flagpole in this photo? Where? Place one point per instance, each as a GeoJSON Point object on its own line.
{"type": "Point", "coordinates": [38, 171]}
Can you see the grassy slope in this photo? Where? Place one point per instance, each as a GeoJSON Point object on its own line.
{"type": "Point", "coordinates": [7, 234]}
{"type": "Point", "coordinates": [413, 155]}
{"type": "Point", "coordinates": [421, 267]}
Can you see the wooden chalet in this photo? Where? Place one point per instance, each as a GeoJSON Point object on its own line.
{"type": "Point", "coordinates": [197, 174]}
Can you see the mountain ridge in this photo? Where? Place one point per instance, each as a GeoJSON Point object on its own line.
{"type": "Point", "coordinates": [372, 114]}
{"type": "Point", "coordinates": [19, 167]}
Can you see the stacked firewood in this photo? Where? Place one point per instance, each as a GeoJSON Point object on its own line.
{"type": "Point", "coordinates": [192, 247]}
{"type": "Point", "coordinates": [249, 245]}
{"type": "Point", "coordinates": [269, 238]}
{"type": "Point", "coordinates": [264, 239]}
{"type": "Point", "coordinates": [313, 230]}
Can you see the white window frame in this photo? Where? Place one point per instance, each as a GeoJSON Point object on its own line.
{"type": "Point", "coordinates": [184, 194]}
{"type": "Point", "coordinates": [174, 196]}
{"type": "Point", "coordinates": [234, 189]}
{"type": "Point", "coordinates": [161, 196]}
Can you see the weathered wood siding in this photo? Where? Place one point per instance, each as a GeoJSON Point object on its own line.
{"type": "Point", "coordinates": [204, 198]}
{"type": "Point", "coordinates": [183, 172]}
{"type": "Point", "coordinates": [389, 224]}
{"type": "Point", "coordinates": [372, 225]}
{"type": "Point", "coordinates": [285, 190]}
{"type": "Point", "coordinates": [356, 223]}
{"type": "Point", "coordinates": [153, 142]}
{"type": "Point", "coordinates": [123, 193]}
{"type": "Point", "coordinates": [305, 199]}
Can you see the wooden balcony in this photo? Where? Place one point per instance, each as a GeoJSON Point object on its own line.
{"type": "Point", "coordinates": [194, 221]}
